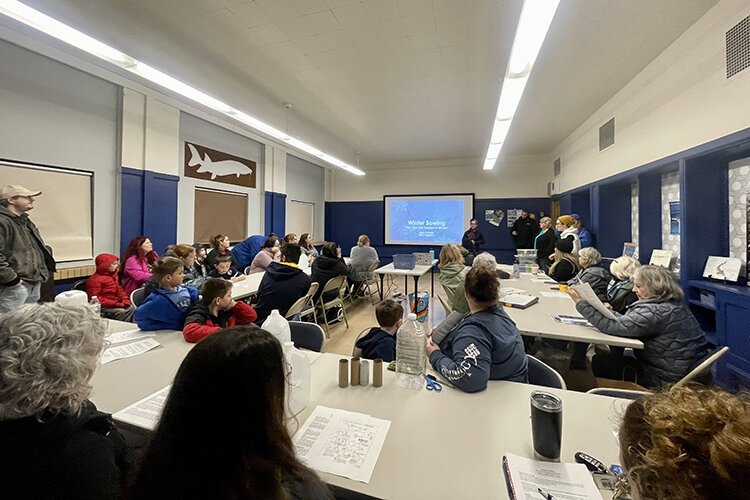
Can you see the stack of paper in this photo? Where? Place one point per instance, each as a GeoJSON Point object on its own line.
{"type": "Point", "coordinates": [341, 442]}
{"type": "Point", "coordinates": [146, 412]}
{"type": "Point", "coordinates": [525, 477]}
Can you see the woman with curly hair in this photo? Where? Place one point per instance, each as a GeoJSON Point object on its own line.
{"type": "Point", "coordinates": [687, 442]}
{"type": "Point", "coordinates": [55, 444]}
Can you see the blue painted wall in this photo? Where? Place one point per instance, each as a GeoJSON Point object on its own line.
{"type": "Point", "coordinates": [275, 214]}
{"type": "Point", "coordinates": [149, 207]}
{"type": "Point", "coordinates": [345, 221]}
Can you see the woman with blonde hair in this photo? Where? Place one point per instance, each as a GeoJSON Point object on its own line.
{"type": "Point", "coordinates": [620, 292]}
{"type": "Point", "coordinates": [592, 271]}
{"type": "Point", "coordinates": [565, 266]}
{"type": "Point", "coordinates": [55, 444]}
{"type": "Point", "coordinates": [673, 341]}
{"type": "Point", "coordinates": [452, 275]}
{"type": "Point", "coordinates": [544, 243]}
{"type": "Point", "coordinates": [687, 442]}
{"type": "Point", "coordinates": [362, 256]}
{"type": "Point", "coordinates": [566, 225]}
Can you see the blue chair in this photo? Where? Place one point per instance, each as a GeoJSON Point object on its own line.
{"type": "Point", "coordinates": [307, 335]}
{"type": "Point", "coordinates": [541, 373]}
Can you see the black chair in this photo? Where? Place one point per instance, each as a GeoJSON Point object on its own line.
{"type": "Point", "coordinates": [80, 285]}
{"type": "Point", "coordinates": [307, 335]}
{"type": "Point", "coordinates": [541, 373]}
{"type": "Point", "coordinates": [137, 296]}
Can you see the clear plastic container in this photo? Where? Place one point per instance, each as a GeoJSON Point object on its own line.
{"type": "Point", "coordinates": [410, 353]}
{"type": "Point", "coordinates": [96, 305]}
{"type": "Point", "coordinates": [277, 325]}
{"type": "Point", "coordinates": [298, 380]}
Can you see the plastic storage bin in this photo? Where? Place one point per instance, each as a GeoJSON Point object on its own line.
{"type": "Point", "coordinates": [404, 261]}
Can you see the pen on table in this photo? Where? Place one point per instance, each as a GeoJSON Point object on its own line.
{"type": "Point", "coordinates": [545, 494]}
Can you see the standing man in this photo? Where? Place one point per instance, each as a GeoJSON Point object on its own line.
{"type": "Point", "coordinates": [587, 239]}
{"type": "Point", "coordinates": [25, 263]}
{"type": "Point", "coordinates": [473, 238]}
{"type": "Point", "coordinates": [524, 231]}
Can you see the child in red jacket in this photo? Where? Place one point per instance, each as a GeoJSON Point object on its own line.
{"type": "Point", "coordinates": [104, 284]}
{"type": "Point", "coordinates": [215, 311]}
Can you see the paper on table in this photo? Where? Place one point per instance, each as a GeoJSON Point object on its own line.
{"type": "Point", "coordinates": [146, 412]}
{"type": "Point", "coordinates": [544, 279]}
{"type": "Point", "coordinates": [341, 442]}
{"type": "Point", "coordinates": [127, 336]}
{"type": "Point", "coordinates": [561, 480]}
{"type": "Point", "coordinates": [128, 350]}
{"type": "Point", "coordinates": [555, 295]}
{"type": "Point", "coordinates": [586, 293]}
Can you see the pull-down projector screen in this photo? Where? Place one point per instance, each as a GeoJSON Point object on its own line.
{"type": "Point", "coordinates": [427, 220]}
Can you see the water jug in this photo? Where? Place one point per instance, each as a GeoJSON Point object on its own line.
{"type": "Point", "coordinates": [410, 353]}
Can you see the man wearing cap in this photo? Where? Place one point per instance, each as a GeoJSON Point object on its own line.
{"type": "Point", "coordinates": [524, 230]}
{"type": "Point", "coordinates": [587, 239]}
{"type": "Point", "coordinates": [25, 263]}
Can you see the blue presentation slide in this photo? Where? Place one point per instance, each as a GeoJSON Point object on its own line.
{"type": "Point", "coordinates": [426, 221]}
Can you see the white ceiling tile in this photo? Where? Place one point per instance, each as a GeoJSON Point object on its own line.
{"type": "Point", "coordinates": [313, 44]}
{"type": "Point", "coordinates": [350, 16]}
{"type": "Point", "coordinates": [322, 22]}
{"type": "Point", "coordinates": [340, 3]}
{"type": "Point", "coordinates": [361, 36]}
{"type": "Point", "coordinates": [424, 41]}
{"type": "Point", "coordinates": [417, 25]}
{"type": "Point", "coordinates": [309, 6]}
{"type": "Point", "coordinates": [277, 9]}
{"type": "Point", "coordinates": [415, 7]}
{"type": "Point", "coordinates": [391, 28]}
{"type": "Point", "coordinates": [295, 27]}
{"type": "Point", "coordinates": [250, 14]}
{"type": "Point", "coordinates": [336, 40]}
{"type": "Point", "coordinates": [270, 33]}
{"type": "Point", "coordinates": [378, 10]}
{"type": "Point", "coordinates": [299, 64]}
{"type": "Point", "coordinates": [283, 50]}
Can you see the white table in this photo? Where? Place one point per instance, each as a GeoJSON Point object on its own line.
{"type": "Point", "coordinates": [536, 320]}
{"type": "Point", "coordinates": [249, 286]}
{"type": "Point", "coordinates": [417, 273]}
{"type": "Point", "coordinates": [446, 445]}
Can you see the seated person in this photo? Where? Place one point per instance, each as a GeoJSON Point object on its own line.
{"type": "Point", "coordinates": [226, 412]}
{"type": "Point", "coordinates": [362, 256]}
{"type": "Point", "coordinates": [326, 267]}
{"type": "Point", "coordinates": [452, 274]}
{"type": "Point", "coordinates": [104, 284]}
{"type": "Point", "coordinates": [487, 259]}
{"type": "Point", "coordinates": [565, 266]}
{"type": "Point", "coordinates": [282, 285]}
{"type": "Point", "coordinates": [485, 345]}
{"type": "Point", "coordinates": [187, 254]}
{"type": "Point", "coordinates": [291, 238]}
{"type": "Point", "coordinates": [200, 261]}
{"type": "Point", "coordinates": [167, 306]}
{"type": "Point", "coordinates": [306, 245]}
{"type": "Point", "coordinates": [673, 341]}
{"type": "Point", "coordinates": [137, 262]}
{"type": "Point", "coordinates": [216, 310]}
{"type": "Point", "coordinates": [381, 342]}
{"type": "Point", "coordinates": [620, 292]}
{"type": "Point", "coordinates": [245, 251]}
{"type": "Point", "coordinates": [219, 247]}
{"type": "Point", "coordinates": [223, 269]}
{"type": "Point", "coordinates": [592, 272]}
{"type": "Point", "coordinates": [269, 253]}
{"type": "Point", "coordinates": [55, 444]}
{"type": "Point", "coordinates": [688, 442]}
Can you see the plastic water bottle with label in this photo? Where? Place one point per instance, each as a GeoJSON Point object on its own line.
{"type": "Point", "coordinates": [410, 354]}
{"type": "Point", "coordinates": [96, 306]}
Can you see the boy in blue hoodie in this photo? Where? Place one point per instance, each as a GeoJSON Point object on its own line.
{"type": "Point", "coordinates": [381, 342]}
{"type": "Point", "coordinates": [167, 306]}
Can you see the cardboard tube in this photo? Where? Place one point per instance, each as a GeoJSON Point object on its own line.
{"type": "Point", "coordinates": [364, 372]}
{"type": "Point", "coordinates": [355, 371]}
{"type": "Point", "coordinates": [377, 373]}
{"type": "Point", "coordinates": [343, 373]}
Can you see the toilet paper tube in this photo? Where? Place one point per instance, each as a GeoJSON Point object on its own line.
{"type": "Point", "coordinates": [364, 372]}
{"type": "Point", "coordinates": [377, 373]}
{"type": "Point", "coordinates": [355, 372]}
{"type": "Point", "coordinates": [343, 373]}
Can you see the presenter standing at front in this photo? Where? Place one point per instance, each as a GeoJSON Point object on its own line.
{"type": "Point", "coordinates": [473, 238]}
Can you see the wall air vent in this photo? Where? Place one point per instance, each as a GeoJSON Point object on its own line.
{"type": "Point", "coordinates": [553, 188]}
{"type": "Point", "coordinates": [738, 47]}
{"type": "Point", "coordinates": [557, 167]}
{"type": "Point", "coordinates": [607, 135]}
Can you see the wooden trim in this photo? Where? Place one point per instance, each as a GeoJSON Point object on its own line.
{"type": "Point", "coordinates": [75, 272]}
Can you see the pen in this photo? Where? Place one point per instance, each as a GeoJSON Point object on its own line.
{"type": "Point", "coordinates": [545, 494]}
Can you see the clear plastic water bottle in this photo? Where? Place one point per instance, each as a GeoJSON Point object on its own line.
{"type": "Point", "coordinates": [96, 306]}
{"type": "Point", "coordinates": [516, 271]}
{"type": "Point", "coordinates": [410, 354]}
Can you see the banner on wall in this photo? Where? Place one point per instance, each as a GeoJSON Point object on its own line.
{"type": "Point", "coordinates": [494, 217]}
{"type": "Point", "coordinates": [208, 164]}
{"type": "Point", "coordinates": [674, 217]}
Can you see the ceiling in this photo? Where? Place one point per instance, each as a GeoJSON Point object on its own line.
{"type": "Point", "coordinates": [396, 80]}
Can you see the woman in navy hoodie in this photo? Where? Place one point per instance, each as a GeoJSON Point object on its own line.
{"type": "Point", "coordinates": [167, 306]}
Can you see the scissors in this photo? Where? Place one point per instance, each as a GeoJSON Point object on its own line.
{"type": "Point", "coordinates": [433, 384]}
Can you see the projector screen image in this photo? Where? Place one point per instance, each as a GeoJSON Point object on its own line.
{"type": "Point", "coordinates": [427, 220]}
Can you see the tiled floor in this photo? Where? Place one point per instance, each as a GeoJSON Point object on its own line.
{"type": "Point", "coordinates": [361, 315]}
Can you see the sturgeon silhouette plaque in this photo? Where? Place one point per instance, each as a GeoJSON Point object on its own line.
{"type": "Point", "coordinates": [208, 164]}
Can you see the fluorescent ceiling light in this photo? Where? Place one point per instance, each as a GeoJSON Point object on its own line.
{"type": "Point", "coordinates": [535, 20]}
{"type": "Point", "coordinates": [71, 36]}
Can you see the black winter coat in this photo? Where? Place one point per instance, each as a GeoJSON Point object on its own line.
{"type": "Point", "coordinates": [325, 268]}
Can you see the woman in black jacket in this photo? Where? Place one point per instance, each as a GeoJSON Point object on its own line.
{"type": "Point", "coordinates": [55, 444]}
{"type": "Point", "coordinates": [565, 267]}
{"type": "Point", "coordinates": [327, 266]}
{"type": "Point", "coordinates": [544, 243]}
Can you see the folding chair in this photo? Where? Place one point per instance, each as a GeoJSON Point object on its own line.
{"type": "Point", "coordinates": [137, 296]}
{"type": "Point", "coordinates": [702, 367]}
{"type": "Point", "coordinates": [371, 280]}
{"type": "Point", "coordinates": [445, 304]}
{"type": "Point", "coordinates": [356, 351]}
{"type": "Point", "coordinates": [80, 285]}
{"type": "Point", "coordinates": [310, 309]}
{"type": "Point", "coordinates": [306, 335]}
{"type": "Point", "coordinates": [337, 284]}
{"type": "Point", "coordinates": [541, 373]}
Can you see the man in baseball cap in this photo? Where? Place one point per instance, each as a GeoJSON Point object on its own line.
{"type": "Point", "coordinates": [25, 263]}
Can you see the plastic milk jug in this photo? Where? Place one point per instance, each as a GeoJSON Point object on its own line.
{"type": "Point", "coordinates": [298, 364]}
{"type": "Point", "coordinates": [410, 353]}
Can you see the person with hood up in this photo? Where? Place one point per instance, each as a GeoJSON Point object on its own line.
{"type": "Point", "coordinates": [326, 267]}
{"type": "Point", "coordinates": [282, 285]}
{"type": "Point", "coordinates": [104, 284]}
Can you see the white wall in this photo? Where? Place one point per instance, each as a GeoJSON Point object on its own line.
{"type": "Point", "coordinates": [306, 182]}
{"type": "Point", "coordinates": [680, 100]}
{"type": "Point", "coordinates": [53, 114]}
{"type": "Point", "coordinates": [512, 178]}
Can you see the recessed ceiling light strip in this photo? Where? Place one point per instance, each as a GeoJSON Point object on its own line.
{"type": "Point", "coordinates": [56, 29]}
{"type": "Point", "coordinates": [535, 20]}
